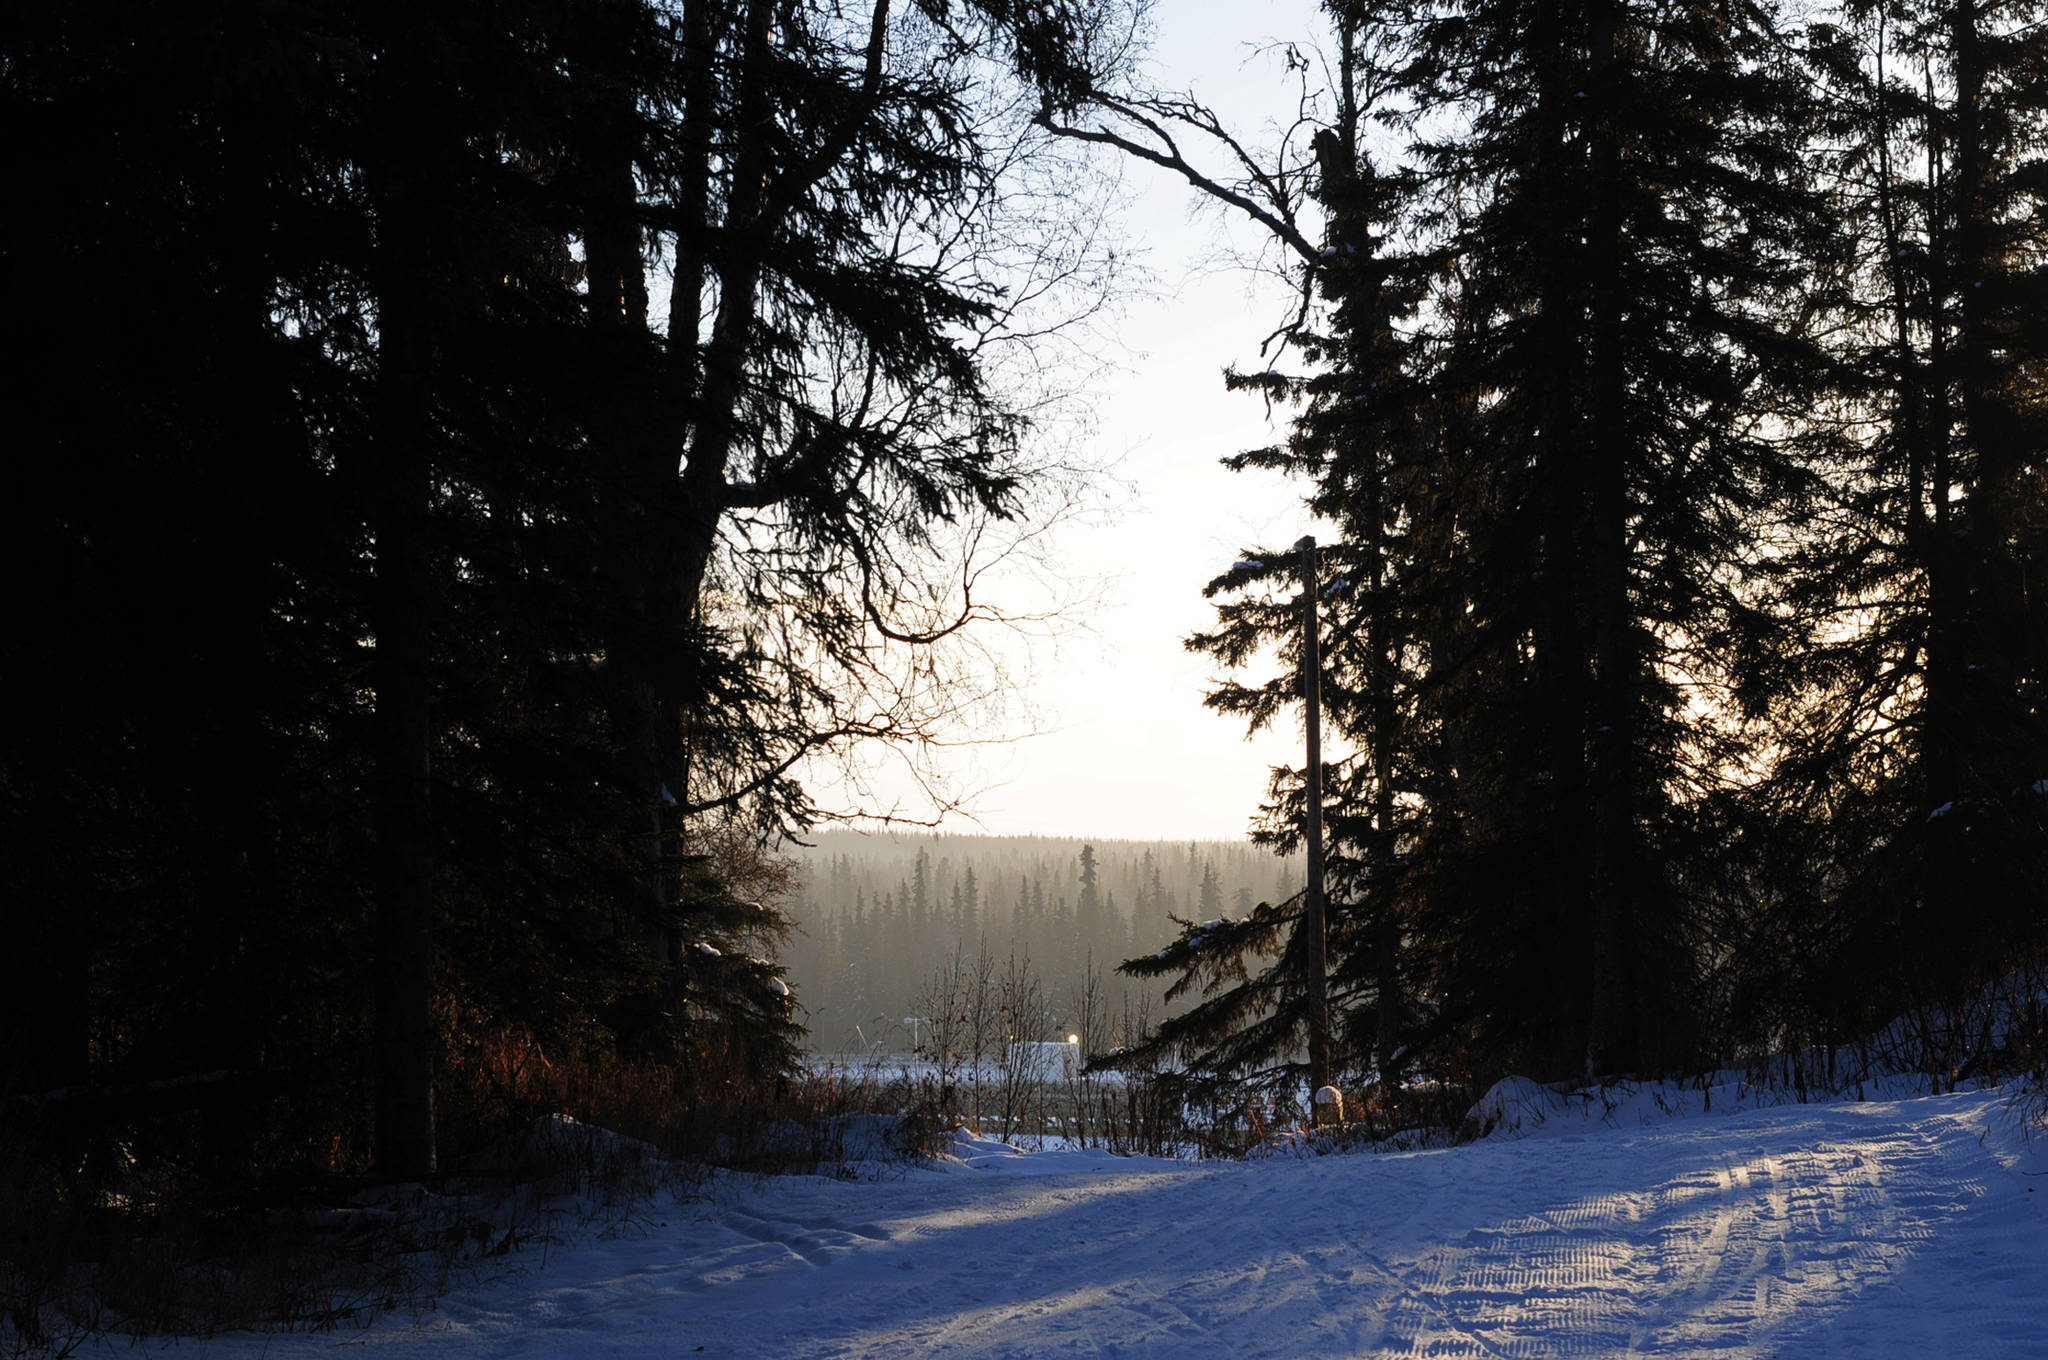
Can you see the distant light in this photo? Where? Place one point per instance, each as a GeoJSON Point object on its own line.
{"type": "Point", "coordinates": [1073, 1038]}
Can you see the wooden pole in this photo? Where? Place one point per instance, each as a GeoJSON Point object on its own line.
{"type": "Point", "coordinates": [1312, 827]}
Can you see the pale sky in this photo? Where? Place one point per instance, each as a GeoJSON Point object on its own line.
{"type": "Point", "coordinates": [1127, 749]}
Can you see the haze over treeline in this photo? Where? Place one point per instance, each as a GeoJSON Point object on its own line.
{"type": "Point", "coordinates": [879, 917]}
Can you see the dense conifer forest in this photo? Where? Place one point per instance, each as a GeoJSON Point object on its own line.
{"type": "Point", "coordinates": [1675, 382]}
{"type": "Point", "coordinates": [480, 453]}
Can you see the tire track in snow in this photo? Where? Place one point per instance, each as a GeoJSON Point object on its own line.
{"type": "Point", "coordinates": [1729, 1258]}
{"type": "Point", "coordinates": [1073, 1293]}
{"type": "Point", "coordinates": [818, 1246]}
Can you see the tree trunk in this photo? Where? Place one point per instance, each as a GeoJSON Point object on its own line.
{"type": "Point", "coordinates": [399, 617]}
{"type": "Point", "coordinates": [1558, 511]}
{"type": "Point", "coordinates": [639, 453]}
{"type": "Point", "coordinates": [1612, 712]}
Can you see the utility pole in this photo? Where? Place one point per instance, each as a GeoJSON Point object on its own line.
{"type": "Point", "coordinates": [1312, 826]}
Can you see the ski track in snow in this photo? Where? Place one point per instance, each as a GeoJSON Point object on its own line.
{"type": "Point", "coordinates": [1903, 1229]}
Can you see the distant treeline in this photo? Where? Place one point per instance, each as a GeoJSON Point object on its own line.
{"type": "Point", "coordinates": [879, 916]}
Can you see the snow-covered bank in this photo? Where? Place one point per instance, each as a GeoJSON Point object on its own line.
{"type": "Point", "coordinates": [1912, 1228]}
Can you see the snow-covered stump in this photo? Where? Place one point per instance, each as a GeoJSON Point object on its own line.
{"type": "Point", "coordinates": [1329, 1107]}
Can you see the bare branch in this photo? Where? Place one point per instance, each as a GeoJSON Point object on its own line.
{"type": "Point", "coordinates": [1276, 216]}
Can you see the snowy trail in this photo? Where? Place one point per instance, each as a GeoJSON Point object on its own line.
{"type": "Point", "coordinates": [1909, 1228]}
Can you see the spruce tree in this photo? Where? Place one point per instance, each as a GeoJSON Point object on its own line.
{"type": "Point", "coordinates": [1350, 442]}
{"type": "Point", "coordinates": [1909, 712]}
{"type": "Point", "coordinates": [1563, 336]}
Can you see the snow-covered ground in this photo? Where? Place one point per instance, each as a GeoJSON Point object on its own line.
{"type": "Point", "coordinates": [1908, 1228]}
